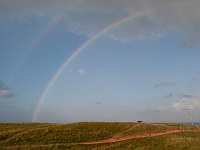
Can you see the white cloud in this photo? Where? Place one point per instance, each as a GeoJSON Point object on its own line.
{"type": "Point", "coordinates": [81, 72]}
{"type": "Point", "coordinates": [90, 16]}
{"type": "Point", "coordinates": [187, 102]}
{"type": "Point", "coordinates": [5, 94]}
{"type": "Point", "coordinates": [5, 91]}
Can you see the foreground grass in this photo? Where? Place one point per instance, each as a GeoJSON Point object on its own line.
{"type": "Point", "coordinates": [97, 135]}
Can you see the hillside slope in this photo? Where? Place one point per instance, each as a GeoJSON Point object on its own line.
{"type": "Point", "coordinates": [98, 135]}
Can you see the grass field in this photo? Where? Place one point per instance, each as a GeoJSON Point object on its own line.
{"type": "Point", "coordinates": [99, 135]}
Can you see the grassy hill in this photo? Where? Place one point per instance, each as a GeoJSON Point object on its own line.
{"type": "Point", "coordinates": [98, 135]}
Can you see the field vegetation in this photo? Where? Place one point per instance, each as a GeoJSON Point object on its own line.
{"type": "Point", "coordinates": [99, 135]}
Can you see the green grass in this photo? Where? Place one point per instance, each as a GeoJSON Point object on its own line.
{"type": "Point", "coordinates": [77, 136]}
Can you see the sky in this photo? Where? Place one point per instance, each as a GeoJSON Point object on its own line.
{"type": "Point", "coordinates": [88, 60]}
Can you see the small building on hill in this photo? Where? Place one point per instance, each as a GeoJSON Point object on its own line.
{"type": "Point", "coordinates": [140, 121]}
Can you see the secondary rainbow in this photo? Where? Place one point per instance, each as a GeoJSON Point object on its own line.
{"type": "Point", "coordinates": [75, 53]}
{"type": "Point", "coordinates": [33, 45]}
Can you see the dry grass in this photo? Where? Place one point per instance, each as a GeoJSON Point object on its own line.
{"type": "Point", "coordinates": [98, 135]}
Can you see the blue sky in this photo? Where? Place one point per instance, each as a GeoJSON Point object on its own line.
{"type": "Point", "coordinates": [144, 68]}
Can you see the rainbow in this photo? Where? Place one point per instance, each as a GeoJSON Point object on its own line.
{"type": "Point", "coordinates": [76, 52]}
{"type": "Point", "coordinates": [38, 39]}
{"type": "Point", "coordinates": [33, 45]}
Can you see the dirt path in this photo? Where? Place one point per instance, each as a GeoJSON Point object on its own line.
{"type": "Point", "coordinates": [115, 138]}
{"type": "Point", "coordinates": [112, 140]}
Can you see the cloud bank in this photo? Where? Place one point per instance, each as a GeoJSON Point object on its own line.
{"type": "Point", "coordinates": [88, 17]}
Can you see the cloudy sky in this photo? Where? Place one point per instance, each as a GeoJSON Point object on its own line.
{"type": "Point", "coordinates": [92, 60]}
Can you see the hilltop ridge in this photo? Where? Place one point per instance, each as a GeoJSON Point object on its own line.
{"type": "Point", "coordinates": [98, 135]}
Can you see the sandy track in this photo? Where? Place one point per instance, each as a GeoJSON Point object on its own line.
{"type": "Point", "coordinates": [115, 138]}
{"type": "Point", "coordinates": [112, 140]}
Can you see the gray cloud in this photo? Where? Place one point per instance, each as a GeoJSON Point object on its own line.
{"type": "Point", "coordinates": [187, 96]}
{"type": "Point", "coordinates": [5, 91]}
{"type": "Point", "coordinates": [164, 84]}
{"type": "Point", "coordinates": [3, 86]}
{"type": "Point", "coordinates": [168, 96]}
{"type": "Point", "coordinates": [191, 43]}
{"type": "Point", "coordinates": [97, 103]}
{"type": "Point", "coordinates": [90, 16]}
